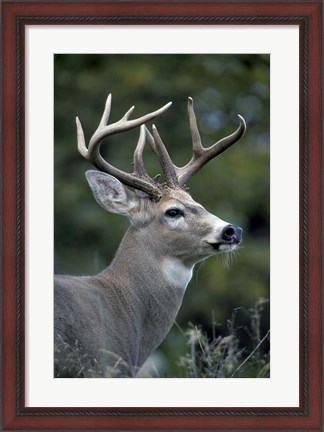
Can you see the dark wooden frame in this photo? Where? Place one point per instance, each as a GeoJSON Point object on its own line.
{"type": "Point", "coordinates": [308, 16]}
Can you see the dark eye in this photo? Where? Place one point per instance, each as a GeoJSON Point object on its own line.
{"type": "Point", "coordinates": [174, 213]}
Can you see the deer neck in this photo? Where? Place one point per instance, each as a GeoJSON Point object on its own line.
{"type": "Point", "coordinates": [144, 262]}
{"type": "Point", "coordinates": [152, 286]}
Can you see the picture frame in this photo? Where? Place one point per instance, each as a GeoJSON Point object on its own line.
{"type": "Point", "coordinates": [307, 15]}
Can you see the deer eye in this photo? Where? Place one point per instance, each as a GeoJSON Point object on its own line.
{"type": "Point", "coordinates": [173, 213]}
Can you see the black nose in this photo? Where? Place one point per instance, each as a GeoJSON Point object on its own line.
{"type": "Point", "coordinates": [232, 233]}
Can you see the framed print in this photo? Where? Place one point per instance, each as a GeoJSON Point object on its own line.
{"type": "Point", "coordinates": [208, 367]}
{"type": "Point", "coordinates": [153, 72]}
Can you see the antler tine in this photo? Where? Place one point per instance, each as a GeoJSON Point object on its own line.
{"type": "Point", "coordinates": [103, 122]}
{"type": "Point", "coordinates": [81, 141]}
{"type": "Point", "coordinates": [202, 155]}
{"type": "Point", "coordinates": [139, 178]}
{"type": "Point", "coordinates": [195, 135]}
{"type": "Point", "coordinates": [106, 113]}
{"type": "Point", "coordinates": [169, 170]}
{"type": "Point", "coordinates": [150, 140]}
{"type": "Point", "coordinates": [139, 168]}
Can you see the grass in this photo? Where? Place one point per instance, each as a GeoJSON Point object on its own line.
{"type": "Point", "coordinates": [223, 356]}
{"type": "Point", "coordinates": [75, 364]}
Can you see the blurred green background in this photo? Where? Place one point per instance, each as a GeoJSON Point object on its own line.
{"type": "Point", "coordinates": [235, 186]}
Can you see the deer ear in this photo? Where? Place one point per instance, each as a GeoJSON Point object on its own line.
{"type": "Point", "coordinates": [110, 193]}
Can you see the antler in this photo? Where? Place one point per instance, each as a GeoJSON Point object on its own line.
{"type": "Point", "coordinates": [138, 179]}
{"type": "Point", "coordinates": [202, 155]}
{"type": "Point", "coordinates": [177, 177]}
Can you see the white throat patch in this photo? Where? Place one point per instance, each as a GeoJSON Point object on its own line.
{"type": "Point", "coordinates": [176, 273]}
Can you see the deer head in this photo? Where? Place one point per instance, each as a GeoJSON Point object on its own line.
{"type": "Point", "coordinates": [176, 220]}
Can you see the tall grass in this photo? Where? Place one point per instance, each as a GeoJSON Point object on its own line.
{"type": "Point", "coordinates": [223, 356]}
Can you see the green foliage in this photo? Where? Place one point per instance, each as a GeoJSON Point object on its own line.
{"type": "Point", "coordinates": [235, 186]}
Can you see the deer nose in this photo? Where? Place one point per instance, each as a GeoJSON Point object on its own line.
{"type": "Point", "coordinates": [232, 233]}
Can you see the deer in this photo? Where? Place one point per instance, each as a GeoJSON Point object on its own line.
{"type": "Point", "coordinates": [107, 325]}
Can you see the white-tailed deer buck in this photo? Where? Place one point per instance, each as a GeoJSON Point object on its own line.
{"type": "Point", "coordinates": [107, 325]}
